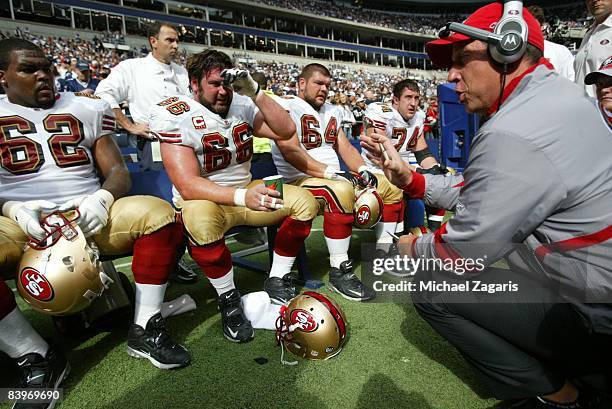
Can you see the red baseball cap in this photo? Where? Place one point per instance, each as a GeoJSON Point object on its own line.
{"type": "Point", "coordinates": [486, 18]}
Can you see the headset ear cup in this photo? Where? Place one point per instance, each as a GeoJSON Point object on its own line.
{"type": "Point", "coordinates": [513, 33]}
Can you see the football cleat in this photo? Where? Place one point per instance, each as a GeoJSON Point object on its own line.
{"type": "Point", "coordinates": [184, 274]}
{"type": "Point", "coordinates": [345, 282]}
{"type": "Point", "coordinates": [154, 344]}
{"type": "Point", "coordinates": [280, 290]}
{"type": "Point", "coordinates": [41, 372]}
{"type": "Point", "coordinates": [236, 326]}
{"type": "Point", "coordinates": [253, 237]}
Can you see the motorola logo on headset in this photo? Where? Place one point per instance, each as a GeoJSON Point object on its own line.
{"type": "Point", "coordinates": [508, 41]}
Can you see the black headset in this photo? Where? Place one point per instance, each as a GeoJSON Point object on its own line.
{"type": "Point", "coordinates": [508, 42]}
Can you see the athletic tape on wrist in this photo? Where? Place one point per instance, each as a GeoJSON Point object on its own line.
{"type": "Point", "coordinates": [240, 197]}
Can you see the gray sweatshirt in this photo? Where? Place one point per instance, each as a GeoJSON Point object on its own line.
{"type": "Point", "coordinates": [537, 190]}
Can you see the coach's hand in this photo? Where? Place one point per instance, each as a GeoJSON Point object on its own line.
{"type": "Point", "coordinates": [263, 199]}
{"type": "Point", "coordinates": [93, 210]}
{"type": "Point", "coordinates": [241, 82]}
{"type": "Point", "coordinates": [28, 215]}
{"type": "Point", "coordinates": [382, 153]}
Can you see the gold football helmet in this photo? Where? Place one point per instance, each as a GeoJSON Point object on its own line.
{"type": "Point", "coordinates": [60, 274]}
{"type": "Point", "coordinates": [312, 326]}
{"type": "Point", "coordinates": [368, 208]}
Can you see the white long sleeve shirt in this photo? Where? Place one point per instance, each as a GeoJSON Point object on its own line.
{"type": "Point", "coordinates": [143, 82]}
{"type": "Point", "coordinates": [561, 58]}
{"type": "Point", "coordinates": [596, 46]}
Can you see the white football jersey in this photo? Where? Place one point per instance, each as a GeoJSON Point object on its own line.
{"type": "Point", "coordinates": [47, 153]}
{"type": "Point", "coordinates": [223, 146]}
{"type": "Point", "coordinates": [316, 131]}
{"type": "Point", "coordinates": [403, 134]}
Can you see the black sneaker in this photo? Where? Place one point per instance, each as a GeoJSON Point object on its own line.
{"type": "Point", "coordinates": [252, 237]}
{"type": "Point", "coordinates": [39, 372]}
{"type": "Point", "coordinates": [154, 344]}
{"type": "Point", "coordinates": [345, 282]}
{"type": "Point", "coordinates": [280, 290]}
{"type": "Point", "coordinates": [236, 327]}
{"type": "Point", "coordinates": [184, 274]}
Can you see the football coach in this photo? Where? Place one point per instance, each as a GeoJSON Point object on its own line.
{"type": "Point", "coordinates": [537, 192]}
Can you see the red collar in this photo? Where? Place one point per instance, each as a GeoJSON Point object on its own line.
{"type": "Point", "coordinates": [514, 83]}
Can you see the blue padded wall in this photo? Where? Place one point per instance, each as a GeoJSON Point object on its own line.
{"type": "Point", "coordinates": [457, 126]}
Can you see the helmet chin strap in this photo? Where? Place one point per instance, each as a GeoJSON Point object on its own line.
{"type": "Point", "coordinates": [281, 331]}
{"type": "Point", "coordinates": [282, 357]}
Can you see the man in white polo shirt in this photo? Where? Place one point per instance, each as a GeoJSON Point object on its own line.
{"type": "Point", "coordinates": [142, 82]}
{"type": "Point", "coordinates": [596, 45]}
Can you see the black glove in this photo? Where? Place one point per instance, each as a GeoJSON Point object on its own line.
{"type": "Point", "coordinates": [434, 170]}
{"type": "Point", "coordinates": [369, 178]}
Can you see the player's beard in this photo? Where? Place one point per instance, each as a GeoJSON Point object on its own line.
{"type": "Point", "coordinates": [312, 101]}
{"type": "Point", "coordinates": [219, 110]}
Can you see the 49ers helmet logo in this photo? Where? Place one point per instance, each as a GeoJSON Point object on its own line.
{"type": "Point", "coordinates": [36, 284]}
{"type": "Point", "coordinates": [304, 319]}
{"type": "Point", "coordinates": [363, 214]}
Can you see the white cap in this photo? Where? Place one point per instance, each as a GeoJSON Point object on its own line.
{"type": "Point", "coordinates": [604, 69]}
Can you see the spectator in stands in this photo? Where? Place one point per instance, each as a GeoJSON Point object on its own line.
{"type": "Point", "coordinates": [431, 119]}
{"type": "Point", "coordinates": [104, 72]}
{"type": "Point", "coordinates": [358, 111]}
{"type": "Point", "coordinates": [596, 44]}
{"type": "Point", "coordinates": [83, 82]}
{"type": "Point", "coordinates": [602, 79]}
{"type": "Point", "coordinates": [370, 97]}
{"type": "Point", "coordinates": [71, 71]}
{"type": "Point", "coordinates": [142, 82]}
{"type": "Point", "coordinates": [348, 119]}
{"type": "Point", "coordinates": [559, 55]}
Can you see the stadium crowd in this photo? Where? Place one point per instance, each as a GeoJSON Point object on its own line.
{"type": "Point", "coordinates": [561, 19]}
{"type": "Point", "coordinates": [414, 23]}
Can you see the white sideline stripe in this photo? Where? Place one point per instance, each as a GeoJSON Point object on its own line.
{"type": "Point", "coordinates": [228, 242]}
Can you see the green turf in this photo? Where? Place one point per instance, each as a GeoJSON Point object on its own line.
{"type": "Point", "coordinates": [392, 360]}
